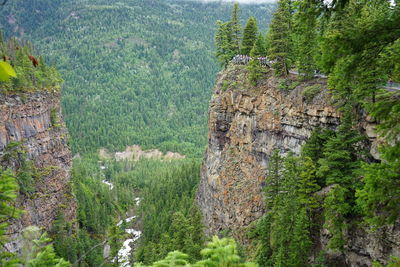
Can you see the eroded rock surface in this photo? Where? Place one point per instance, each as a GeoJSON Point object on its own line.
{"type": "Point", "coordinates": [246, 124]}
{"type": "Point", "coordinates": [35, 120]}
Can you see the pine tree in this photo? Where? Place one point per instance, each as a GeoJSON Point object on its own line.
{"type": "Point", "coordinates": [174, 258]}
{"type": "Point", "coordinates": [307, 184]}
{"type": "Point", "coordinates": [341, 157]}
{"type": "Point", "coordinates": [236, 29]}
{"type": "Point", "coordinates": [254, 67]}
{"type": "Point", "coordinates": [339, 166]}
{"type": "Point", "coordinates": [249, 36]}
{"type": "Point", "coordinates": [305, 37]}
{"type": "Point", "coordinates": [273, 179]}
{"type": "Point", "coordinates": [223, 43]}
{"type": "Point", "coordinates": [8, 195]}
{"type": "Point", "coordinates": [280, 38]}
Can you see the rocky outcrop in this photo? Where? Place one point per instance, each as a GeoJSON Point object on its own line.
{"type": "Point", "coordinates": [246, 124]}
{"type": "Point", "coordinates": [35, 121]}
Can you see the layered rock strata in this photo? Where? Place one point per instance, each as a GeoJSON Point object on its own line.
{"type": "Point", "coordinates": [246, 124]}
{"type": "Point", "coordinates": [35, 121]}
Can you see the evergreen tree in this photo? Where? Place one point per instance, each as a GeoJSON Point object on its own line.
{"type": "Point", "coordinates": [378, 198]}
{"type": "Point", "coordinates": [341, 156]}
{"type": "Point", "coordinates": [174, 258]}
{"type": "Point", "coordinates": [37, 250]}
{"type": "Point", "coordinates": [249, 36]}
{"type": "Point", "coordinates": [273, 179]}
{"type": "Point", "coordinates": [307, 184]}
{"type": "Point", "coordinates": [280, 38]}
{"type": "Point", "coordinates": [222, 253]}
{"type": "Point", "coordinates": [236, 29]}
{"type": "Point", "coordinates": [8, 195]}
{"type": "Point", "coordinates": [223, 43]}
{"type": "Point", "coordinates": [254, 67]}
{"type": "Point", "coordinates": [339, 166]}
{"type": "Point", "coordinates": [305, 41]}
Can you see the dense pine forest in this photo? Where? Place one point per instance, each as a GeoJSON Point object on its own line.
{"type": "Point", "coordinates": [135, 72]}
{"type": "Point", "coordinates": [140, 72]}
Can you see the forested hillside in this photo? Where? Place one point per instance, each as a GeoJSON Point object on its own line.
{"type": "Point", "coordinates": [135, 72]}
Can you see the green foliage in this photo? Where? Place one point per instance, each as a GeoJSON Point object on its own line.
{"type": "Point", "coordinates": [174, 222]}
{"type": "Point", "coordinates": [254, 67]}
{"type": "Point", "coordinates": [283, 235]}
{"type": "Point", "coordinates": [174, 258]}
{"type": "Point", "coordinates": [236, 28]}
{"type": "Point", "coordinates": [225, 49]}
{"type": "Point", "coordinates": [136, 72]}
{"type": "Point", "coordinates": [14, 155]}
{"type": "Point", "coordinates": [305, 37]}
{"type": "Point", "coordinates": [218, 253]}
{"type": "Point", "coordinates": [314, 148]}
{"type": "Point", "coordinates": [54, 119]}
{"type": "Point", "coordinates": [23, 72]}
{"type": "Point", "coordinates": [337, 207]}
{"type": "Point", "coordinates": [279, 37]}
{"type": "Point", "coordinates": [341, 156]}
{"type": "Point", "coordinates": [395, 261]}
{"type": "Point", "coordinates": [250, 33]}
{"type": "Point", "coordinates": [378, 198]}
{"type": "Point", "coordinates": [311, 91]}
{"type": "Point", "coordinates": [283, 85]}
{"type": "Point", "coordinates": [8, 194]}
{"type": "Point", "coordinates": [37, 250]}
{"type": "Point", "coordinates": [225, 85]}
{"type": "Point", "coordinates": [320, 261]}
{"type": "Point", "coordinates": [6, 71]}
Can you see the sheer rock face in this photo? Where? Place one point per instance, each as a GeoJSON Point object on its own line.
{"type": "Point", "coordinates": [36, 121]}
{"type": "Point", "coordinates": [245, 125]}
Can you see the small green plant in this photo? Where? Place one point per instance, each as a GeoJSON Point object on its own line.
{"type": "Point", "coordinates": [394, 262]}
{"type": "Point", "coordinates": [311, 91]}
{"type": "Point", "coordinates": [225, 85]}
{"type": "Point", "coordinates": [282, 85]}
{"type": "Point", "coordinates": [54, 120]}
{"type": "Point", "coordinates": [293, 85]}
{"type": "Point", "coordinates": [25, 172]}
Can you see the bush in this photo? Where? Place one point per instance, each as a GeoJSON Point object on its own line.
{"type": "Point", "coordinates": [311, 91]}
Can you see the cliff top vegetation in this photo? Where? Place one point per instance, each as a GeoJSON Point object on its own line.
{"type": "Point", "coordinates": [32, 74]}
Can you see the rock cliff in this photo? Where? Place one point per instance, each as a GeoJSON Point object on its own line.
{"type": "Point", "coordinates": [246, 124]}
{"type": "Point", "coordinates": [35, 121]}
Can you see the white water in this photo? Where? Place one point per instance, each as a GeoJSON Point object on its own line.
{"type": "Point", "coordinates": [126, 250]}
{"type": "Point", "coordinates": [126, 220]}
{"type": "Point", "coordinates": [108, 183]}
{"type": "Point", "coordinates": [137, 201]}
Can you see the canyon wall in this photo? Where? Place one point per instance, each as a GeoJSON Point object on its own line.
{"type": "Point", "coordinates": [35, 121]}
{"type": "Point", "coordinates": [246, 124]}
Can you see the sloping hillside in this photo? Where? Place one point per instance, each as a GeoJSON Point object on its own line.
{"type": "Point", "coordinates": [136, 72]}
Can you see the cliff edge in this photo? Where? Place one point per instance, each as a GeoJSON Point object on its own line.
{"type": "Point", "coordinates": [246, 124]}
{"type": "Point", "coordinates": [34, 122]}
